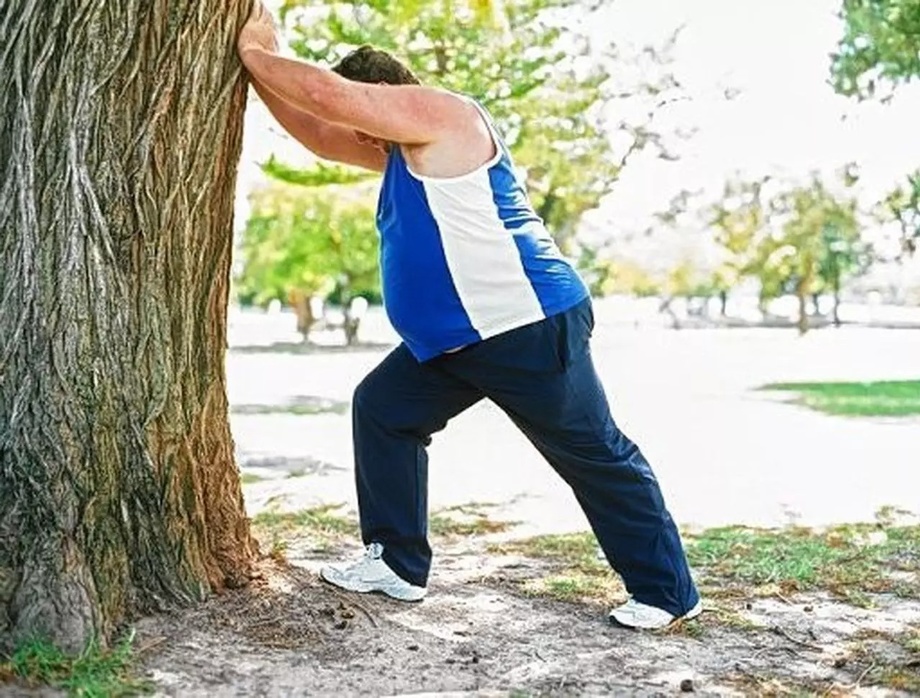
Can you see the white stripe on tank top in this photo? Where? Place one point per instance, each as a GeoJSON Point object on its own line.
{"type": "Point", "coordinates": [484, 261]}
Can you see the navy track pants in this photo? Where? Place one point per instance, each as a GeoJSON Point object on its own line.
{"type": "Point", "coordinates": [542, 376]}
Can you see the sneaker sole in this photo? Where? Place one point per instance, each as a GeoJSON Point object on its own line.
{"type": "Point", "coordinates": [693, 612]}
{"type": "Point", "coordinates": [400, 594]}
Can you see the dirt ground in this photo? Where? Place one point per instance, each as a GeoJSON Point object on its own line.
{"type": "Point", "coordinates": [481, 633]}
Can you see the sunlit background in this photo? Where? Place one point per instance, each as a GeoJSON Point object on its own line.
{"type": "Point", "coordinates": [745, 228]}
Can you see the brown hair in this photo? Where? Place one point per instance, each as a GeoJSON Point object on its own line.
{"type": "Point", "coordinates": [369, 64]}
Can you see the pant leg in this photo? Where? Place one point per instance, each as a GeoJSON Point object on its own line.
{"type": "Point", "coordinates": [557, 400]}
{"type": "Point", "coordinates": [395, 410]}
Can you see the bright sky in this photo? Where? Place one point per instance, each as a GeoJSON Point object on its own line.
{"type": "Point", "coordinates": [786, 117]}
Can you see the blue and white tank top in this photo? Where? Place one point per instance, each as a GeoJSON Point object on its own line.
{"type": "Point", "coordinates": [466, 258]}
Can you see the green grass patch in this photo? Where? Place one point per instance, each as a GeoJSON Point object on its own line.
{"type": "Point", "coordinates": [575, 585]}
{"type": "Point", "coordinates": [94, 673]}
{"type": "Point", "coordinates": [847, 561]}
{"type": "Point", "coordinates": [910, 641]}
{"type": "Point", "coordinates": [898, 678]}
{"type": "Point", "coordinates": [250, 478]}
{"type": "Point", "coordinates": [575, 572]}
{"type": "Point", "coordinates": [872, 399]}
{"type": "Point", "coordinates": [321, 525]}
{"type": "Point", "coordinates": [891, 661]}
{"type": "Point", "coordinates": [466, 520]}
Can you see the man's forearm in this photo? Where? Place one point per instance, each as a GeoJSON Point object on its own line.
{"type": "Point", "coordinates": [325, 140]}
{"type": "Point", "coordinates": [304, 127]}
{"type": "Point", "coordinates": [302, 86]}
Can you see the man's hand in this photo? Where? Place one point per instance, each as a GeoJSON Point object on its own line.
{"type": "Point", "coordinates": [259, 32]}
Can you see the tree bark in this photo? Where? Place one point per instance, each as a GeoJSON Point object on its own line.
{"type": "Point", "coordinates": [120, 134]}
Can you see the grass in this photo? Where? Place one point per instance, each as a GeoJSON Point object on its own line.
{"type": "Point", "coordinates": [849, 562]}
{"type": "Point", "coordinates": [319, 520]}
{"type": "Point", "coordinates": [872, 399]}
{"type": "Point", "coordinates": [465, 520]}
{"type": "Point", "coordinates": [95, 673]}
{"type": "Point", "coordinates": [905, 674]}
{"type": "Point", "coordinates": [888, 660]}
{"type": "Point", "coordinates": [576, 573]}
{"type": "Point", "coordinates": [321, 525]}
{"type": "Point", "coordinates": [326, 529]}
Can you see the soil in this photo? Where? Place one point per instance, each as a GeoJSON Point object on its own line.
{"type": "Point", "coordinates": [479, 633]}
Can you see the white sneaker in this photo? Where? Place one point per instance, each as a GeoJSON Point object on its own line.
{"type": "Point", "coordinates": [371, 573]}
{"type": "Point", "coordinates": [633, 614]}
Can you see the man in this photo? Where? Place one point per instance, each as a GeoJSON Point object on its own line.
{"type": "Point", "coordinates": [486, 306]}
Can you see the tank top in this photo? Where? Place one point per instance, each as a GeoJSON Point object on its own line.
{"type": "Point", "coordinates": [466, 258]}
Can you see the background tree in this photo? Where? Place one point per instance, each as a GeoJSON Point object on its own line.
{"type": "Point", "coordinates": [738, 221]}
{"type": "Point", "coordinates": [902, 205]}
{"type": "Point", "coordinates": [813, 243]}
{"type": "Point", "coordinates": [306, 242]}
{"type": "Point", "coordinates": [611, 275]}
{"type": "Point", "coordinates": [880, 47]}
{"type": "Point", "coordinates": [119, 141]}
{"type": "Point", "coordinates": [880, 50]}
{"type": "Point", "coordinates": [798, 239]}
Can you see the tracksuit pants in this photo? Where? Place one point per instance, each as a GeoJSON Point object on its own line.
{"type": "Point", "coordinates": [542, 376]}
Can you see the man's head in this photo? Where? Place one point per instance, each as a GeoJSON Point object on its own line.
{"type": "Point", "coordinates": [368, 64]}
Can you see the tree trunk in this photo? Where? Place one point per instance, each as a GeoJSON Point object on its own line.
{"type": "Point", "coordinates": [120, 132]}
{"type": "Point", "coordinates": [302, 303]}
{"type": "Point", "coordinates": [837, 322]}
{"type": "Point", "coordinates": [803, 308]}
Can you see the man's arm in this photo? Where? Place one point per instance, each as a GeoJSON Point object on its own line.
{"type": "Point", "coordinates": [405, 114]}
{"type": "Point", "coordinates": [408, 114]}
{"type": "Point", "coordinates": [326, 140]}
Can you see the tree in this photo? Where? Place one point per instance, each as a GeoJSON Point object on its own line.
{"type": "Point", "coordinates": [120, 135]}
{"type": "Point", "coordinates": [611, 275]}
{"type": "Point", "coordinates": [739, 221]}
{"type": "Point", "coordinates": [902, 205]}
{"type": "Point", "coordinates": [303, 242]}
{"type": "Point", "coordinates": [843, 253]}
{"type": "Point", "coordinates": [880, 47]}
{"type": "Point", "coordinates": [802, 239]}
{"type": "Point", "coordinates": [813, 244]}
